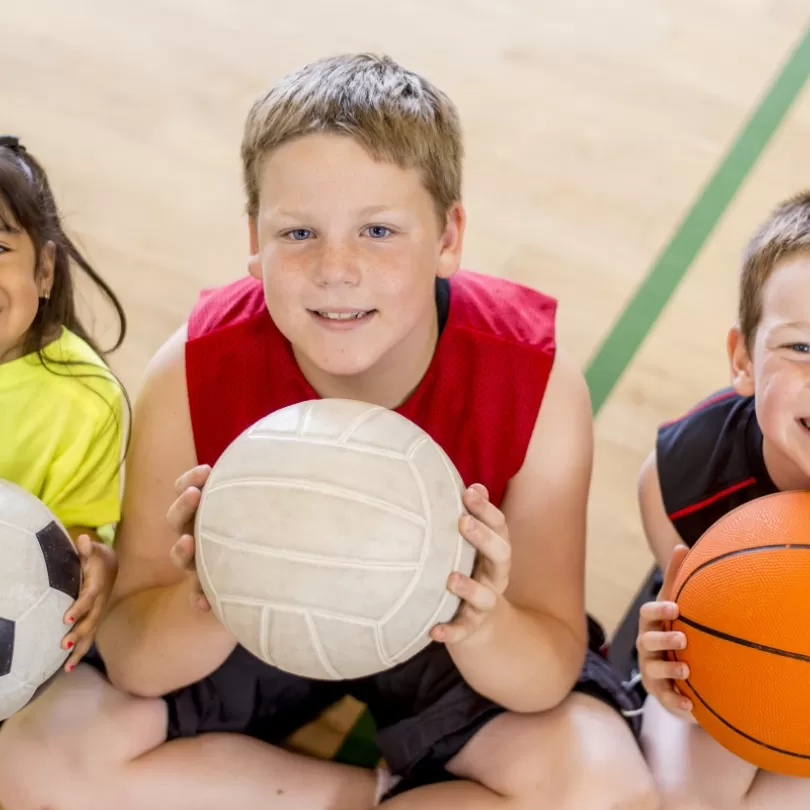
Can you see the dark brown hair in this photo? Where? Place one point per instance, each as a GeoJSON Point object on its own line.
{"type": "Point", "coordinates": [785, 233]}
{"type": "Point", "coordinates": [27, 204]}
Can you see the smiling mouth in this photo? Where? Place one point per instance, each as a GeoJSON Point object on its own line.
{"type": "Point", "coordinates": [343, 316]}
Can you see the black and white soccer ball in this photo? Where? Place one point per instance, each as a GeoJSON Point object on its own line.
{"type": "Point", "coordinates": [40, 578]}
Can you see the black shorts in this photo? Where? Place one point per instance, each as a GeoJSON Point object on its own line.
{"type": "Point", "coordinates": [424, 711]}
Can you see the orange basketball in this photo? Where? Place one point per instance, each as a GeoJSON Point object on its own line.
{"type": "Point", "coordinates": [743, 594]}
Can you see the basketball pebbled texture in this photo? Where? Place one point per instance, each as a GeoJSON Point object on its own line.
{"type": "Point", "coordinates": [743, 594]}
{"type": "Point", "coordinates": [325, 537]}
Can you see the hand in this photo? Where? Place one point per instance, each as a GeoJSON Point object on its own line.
{"type": "Point", "coordinates": [658, 673]}
{"type": "Point", "coordinates": [181, 517]}
{"type": "Point", "coordinates": [99, 570]}
{"type": "Point", "coordinates": [485, 528]}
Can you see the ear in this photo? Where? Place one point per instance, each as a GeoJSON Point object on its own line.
{"type": "Point", "coordinates": [45, 269]}
{"type": "Point", "coordinates": [740, 363]}
{"type": "Point", "coordinates": [254, 260]}
{"type": "Point", "coordinates": [452, 241]}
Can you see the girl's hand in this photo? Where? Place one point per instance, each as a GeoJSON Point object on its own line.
{"type": "Point", "coordinates": [99, 570]}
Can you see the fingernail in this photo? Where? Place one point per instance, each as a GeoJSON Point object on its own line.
{"type": "Point", "coordinates": [683, 672]}
{"type": "Point", "coordinates": [69, 645]}
{"type": "Point", "coordinates": [70, 620]}
{"type": "Point", "coordinates": [71, 667]}
{"type": "Point", "coordinates": [469, 523]}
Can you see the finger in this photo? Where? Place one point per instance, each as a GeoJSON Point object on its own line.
{"type": "Point", "coordinates": [656, 613]}
{"type": "Point", "coordinates": [675, 561]}
{"type": "Point", "coordinates": [494, 547]}
{"type": "Point", "coordinates": [476, 499]}
{"type": "Point", "coordinates": [79, 651]}
{"type": "Point", "coordinates": [479, 596]}
{"type": "Point", "coordinates": [199, 601]}
{"type": "Point", "coordinates": [181, 513]}
{"type": "Point", "coordinates": [664, 670]}
{"type": "Point", "coordinates": [657, 641]}
{"type": "Point", "coordinates": [672, 701]}
{"type": "Point", "coordinates": [182, 553]}
{"type": "Point", "coordinates": [195, 477]}
{"type": "Point", "coordinates": [462, 627]}
{"type": "Point", "coordinates": [91, 588]}
{"type": "Point", "coordinates": [84, 546]}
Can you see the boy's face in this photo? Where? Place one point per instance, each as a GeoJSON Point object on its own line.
{"type": "Point", "coordinates": [348, 250]}
{"type": "Point", "coordinates": [778, 370]}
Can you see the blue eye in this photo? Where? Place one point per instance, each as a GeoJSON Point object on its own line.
{"type": "Point", "coordinates": [378, 231]}
{"type": "Point", "coordinates": [300, 234]}
{"type": "Point", "coordinates": [802, 348]}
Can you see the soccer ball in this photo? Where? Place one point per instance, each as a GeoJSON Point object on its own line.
{"type": "Point", "coordinates": [40, 578]}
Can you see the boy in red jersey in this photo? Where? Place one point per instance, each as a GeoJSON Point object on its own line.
{"type": "Point", "coordinates": [353, 175]}
{"type": "Point", "coordinates": [742, 443]}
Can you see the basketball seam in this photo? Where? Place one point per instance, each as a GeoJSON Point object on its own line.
{"type": "Point", "coordinates": [737, 553]}
{"type": "Point", "coordinates": [742, 733]}
{"type": "Point", "coordinates": [742, 642]}
{"type": "Point", "coordinates": [357, 422]}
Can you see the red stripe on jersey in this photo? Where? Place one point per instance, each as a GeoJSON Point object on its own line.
{"type": "Point", "coordinates": [687, 510]}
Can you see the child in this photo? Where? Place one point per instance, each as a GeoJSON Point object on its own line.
{"type": "Point", "coordinates": [61, 415]}
{"type": "Point", "coordinates": [353, 173]}
{"type": "Point", "coordinates": [741, 443]}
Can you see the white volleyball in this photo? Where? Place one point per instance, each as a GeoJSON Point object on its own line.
{"type": "Point", "coordinates": [325, 537]}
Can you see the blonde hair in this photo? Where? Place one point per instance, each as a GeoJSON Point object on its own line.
{"type": "Point", "coordinates": [785, 233]}
{"type": "Point", "coordinates": [396, 115]}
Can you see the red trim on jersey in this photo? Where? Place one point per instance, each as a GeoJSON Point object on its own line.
{"type": "Point", "coordinates": [700, 407]}
{"type": "Point", "coordinates": [687, 510]}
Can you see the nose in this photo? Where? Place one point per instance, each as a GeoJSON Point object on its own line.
{"type": "Point", "coordinates": [336, 264]}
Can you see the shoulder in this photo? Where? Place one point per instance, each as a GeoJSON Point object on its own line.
{"type": "Point", "coordinates": [226, 306]}
{"type": "Point", "coordinates": [704, 452]}
{"type": "Point", "coordinates": [75, 379]}
{"type": "Point", "coordinates": [501, 310]}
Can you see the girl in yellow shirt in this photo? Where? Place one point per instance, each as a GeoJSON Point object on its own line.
{"type": "Point", "coordinates": [63, 413]}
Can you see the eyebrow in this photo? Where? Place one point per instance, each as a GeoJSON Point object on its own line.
{"type": "Point", "coordinates": [795, 325]}
{"type": "Point", "coordinates": [363, 212]}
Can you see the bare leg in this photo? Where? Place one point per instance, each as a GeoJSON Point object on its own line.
{"type": "Point", "coordinates": [688, 765]}
{"type": "Point", "coordinates": [772, 791]}
{"type": "Point", "coordinates": [576, 756]}
{"type": "Point", "coordinates": [85, 746]}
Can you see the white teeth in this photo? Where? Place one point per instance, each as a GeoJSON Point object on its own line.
{"type": "Point", "coordinates": [341, 316]}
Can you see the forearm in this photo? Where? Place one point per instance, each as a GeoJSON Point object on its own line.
{"type": "Point", "coordinates": [154, 642]}
{"type": "Point", "coordinates": [522, 660]}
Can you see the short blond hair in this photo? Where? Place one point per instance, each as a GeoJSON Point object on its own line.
{"type": "Point", "coordinates": [785, 233]}
{"type": "Point", "coordinates": [395, 114]}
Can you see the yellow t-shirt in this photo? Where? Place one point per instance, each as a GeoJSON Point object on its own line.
{"type": "Point", "coordinates": [62, 432]}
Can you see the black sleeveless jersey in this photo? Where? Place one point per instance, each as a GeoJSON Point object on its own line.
{"type": "Point", "coordinates": [710, 461]}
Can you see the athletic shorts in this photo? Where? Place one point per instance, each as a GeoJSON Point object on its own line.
{"type": "Point", "coordinates": [424, 711]}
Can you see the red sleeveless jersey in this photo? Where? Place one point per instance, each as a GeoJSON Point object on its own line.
{"type": "Point", "coordinates": [479, 398]}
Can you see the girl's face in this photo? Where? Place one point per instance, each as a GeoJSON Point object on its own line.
{"type": "Point", "coordinates": [23, 281]}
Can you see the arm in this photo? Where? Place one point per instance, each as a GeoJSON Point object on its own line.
{"type": "Point", "coordinates": [528, 653]}
{"type": "Point", "coordinates": [662, 536]}
{"type": "Point", "coordinates": [152, 639]}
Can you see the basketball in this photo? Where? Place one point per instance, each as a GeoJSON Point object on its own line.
{"type": "Point", "coordinates": [39, 580]}
{"type": "Point", "coordinates": [743, 594]}
{"type": "Point", "coordinates": [325, 536]}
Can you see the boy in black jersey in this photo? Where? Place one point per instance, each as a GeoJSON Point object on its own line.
{"type": "Point", "coordinates": [741, 443]}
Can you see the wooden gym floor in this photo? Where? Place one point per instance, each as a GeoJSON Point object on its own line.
{"type": "Point", "coordinates": [593, 130]}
